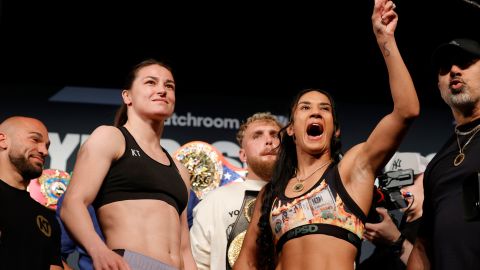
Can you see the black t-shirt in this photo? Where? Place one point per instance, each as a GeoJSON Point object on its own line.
{"type": "Point", "coordinates": [29, 232]}
{"type": "Point", "coordinates": [455, 242]}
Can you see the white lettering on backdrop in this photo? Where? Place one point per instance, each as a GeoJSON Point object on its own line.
{"type": "Point", "coordinates": [61, 151]}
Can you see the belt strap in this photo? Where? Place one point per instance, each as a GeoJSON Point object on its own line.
{"type": "Point", "coordinates": [239, 228]}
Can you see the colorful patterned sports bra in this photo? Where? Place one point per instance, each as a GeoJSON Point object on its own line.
{"type": "Point", "coordinates": [325, 209]}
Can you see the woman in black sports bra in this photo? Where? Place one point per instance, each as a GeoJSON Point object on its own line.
{"type": "Point", "coordinates": [139, 192]}
{"type": "Point", "coordinates": [312, 213]}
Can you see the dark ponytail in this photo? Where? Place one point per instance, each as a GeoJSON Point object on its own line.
{"type": "Point", "coordinates": [121, 116]}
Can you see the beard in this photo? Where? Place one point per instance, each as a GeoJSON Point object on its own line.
{"type": "Point", "coordinates": [26, 169]}
{"type": "Point", "coordinates": [462, 100]}
{"type": "Point", "coordinates": [458, 100]}
{"type": "Point", "coordinates": [262, 168]}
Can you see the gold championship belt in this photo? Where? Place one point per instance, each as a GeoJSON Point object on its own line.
{"type": "Point", "coordinates": [48, 188]}
{"type": "Point", "coordinates": [239, 229]}
{"type": "Point", "coordinates": [203, 162]}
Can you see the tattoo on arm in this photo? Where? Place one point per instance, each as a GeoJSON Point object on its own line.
{"type": "Point", "coordinates": [386, 51]}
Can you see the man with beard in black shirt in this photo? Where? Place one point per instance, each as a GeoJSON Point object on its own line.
{"type": "Point", "coordinates": [449, 236]}
{"type": "Point", "coordinates": [29, 232]}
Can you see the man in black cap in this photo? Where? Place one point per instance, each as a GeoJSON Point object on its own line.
{"type": "Point", "coordinates": [449, 237]}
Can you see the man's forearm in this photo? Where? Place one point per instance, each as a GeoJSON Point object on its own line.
{"type": "Point", "coordinates": [418, 259]}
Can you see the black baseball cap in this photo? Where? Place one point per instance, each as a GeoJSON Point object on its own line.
{"type": "Point", "coordinates": [460, 48]}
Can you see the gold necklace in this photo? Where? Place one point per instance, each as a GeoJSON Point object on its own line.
{"type": "Point", "coordinates": [461, 156]}
{"type": "Point", "coordinates": [299, 185]}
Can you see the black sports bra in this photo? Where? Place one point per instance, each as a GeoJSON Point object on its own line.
{"type": "Point", "coordinates": [136, 176]}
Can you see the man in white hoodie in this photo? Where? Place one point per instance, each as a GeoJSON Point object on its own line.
{"type": "Point", "coordinates": [221, 218]}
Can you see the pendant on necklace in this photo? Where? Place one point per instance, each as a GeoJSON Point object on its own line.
{"type": "Point", "coordinates": [298, 187]}
{"type": "Point", "coordinates": [458, 159]}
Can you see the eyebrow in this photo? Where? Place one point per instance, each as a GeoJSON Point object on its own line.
{"type": "Point", "coordinates": [258, 132]}
{"type": "Point", "coordinates": [152, 78]}
{"type": "Point", "coordinates": [36, 133]}
{"type": "Point", "coordinates": [39, 135]}
{"type": "Point", "coordinates": [321, 103]}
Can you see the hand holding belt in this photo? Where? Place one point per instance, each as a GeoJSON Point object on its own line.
{"type": "Point", "coordinates": [237, 234]}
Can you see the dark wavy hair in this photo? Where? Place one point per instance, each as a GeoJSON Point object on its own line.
{"type": "Point", "coordinates": [121, 116]}
{"type": "Point", "coordinates": [284, 170]}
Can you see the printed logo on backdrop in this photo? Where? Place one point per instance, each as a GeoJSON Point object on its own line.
{"type": "Point", "coordinates": [190, 120]}
{"type": "Point", "coordinates": [62, 152]}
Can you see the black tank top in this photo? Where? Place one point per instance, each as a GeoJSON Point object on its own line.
{"type": "Point", "coordinates": [136, 176]}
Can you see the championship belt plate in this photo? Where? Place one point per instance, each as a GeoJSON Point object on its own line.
{"type": "Point", "coordinates": [204, 164]}
{"type": "Point", "coordinates": [48, 188]}
{"type": "Point", "coordinates": [239, 229]}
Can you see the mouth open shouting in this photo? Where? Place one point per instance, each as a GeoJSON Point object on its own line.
{"type": "Point", "coordinates": [314, 131]}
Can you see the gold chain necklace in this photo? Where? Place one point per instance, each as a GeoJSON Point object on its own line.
{"type": "Point", "coordinates": [299, 185]}
{"type": "Point", "coordinates": [461, 156]}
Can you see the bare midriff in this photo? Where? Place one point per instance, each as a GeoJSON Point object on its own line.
{"type": "Point", "coordinates": [149, 227]}
{"type": "Point", "coordinates": [319, 252]}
